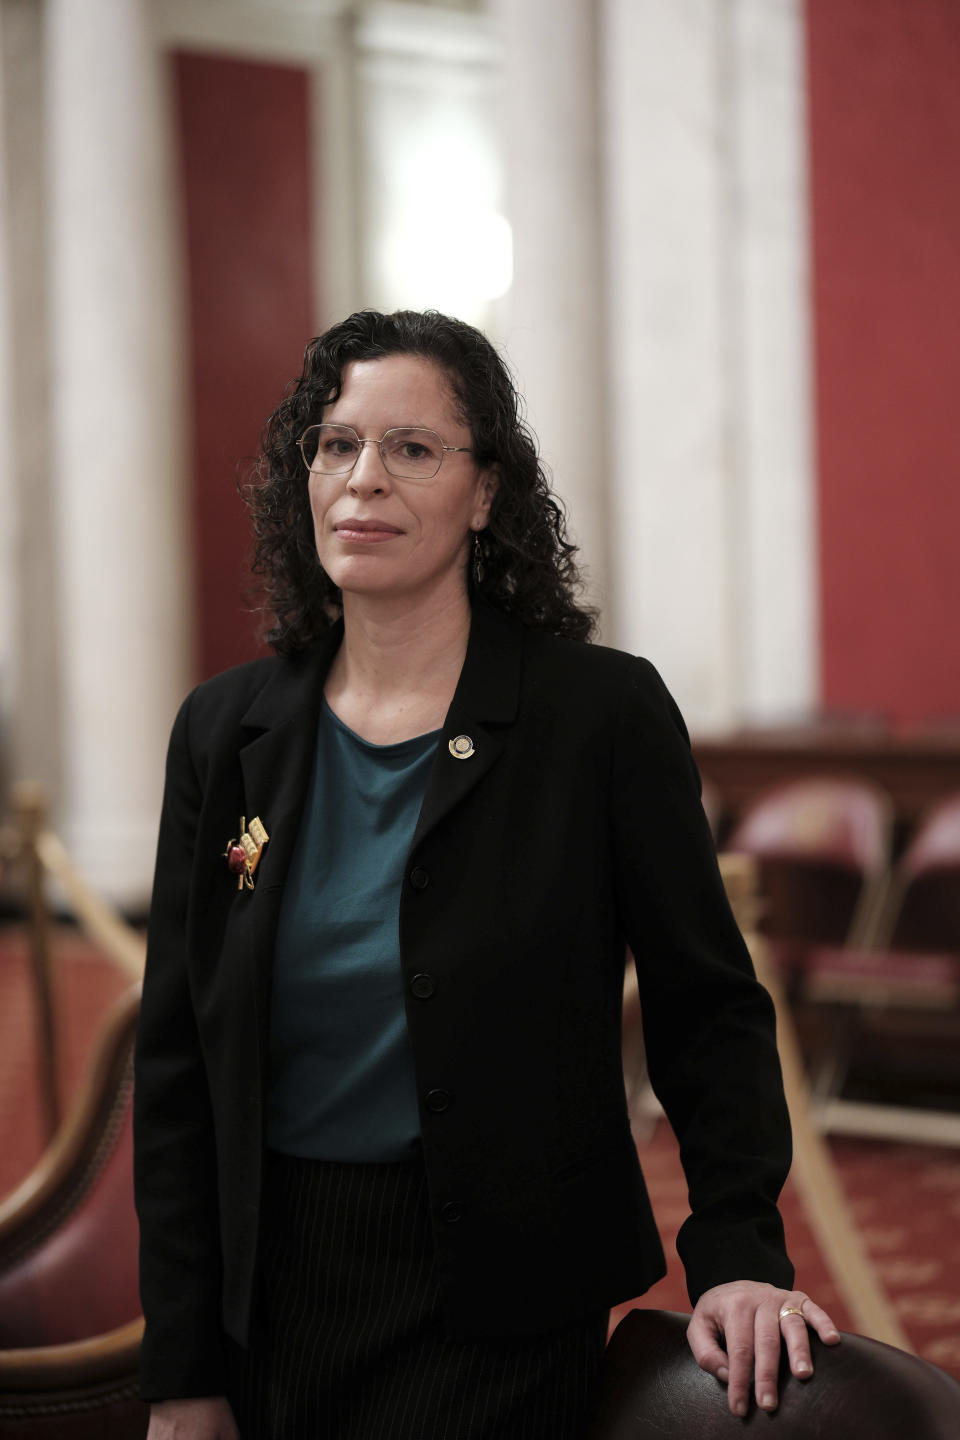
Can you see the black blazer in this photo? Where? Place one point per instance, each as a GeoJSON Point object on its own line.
{"type": "Point", "coordinates": [574, 828]}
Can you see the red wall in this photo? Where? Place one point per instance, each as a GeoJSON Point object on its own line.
{"type": "Point", "coordinates": [245, 166]}
{"type": "Point", "coordinates": [884, 106]}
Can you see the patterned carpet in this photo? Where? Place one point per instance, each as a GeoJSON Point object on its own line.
{"type": "Point", "coordinates": [906, 1198]}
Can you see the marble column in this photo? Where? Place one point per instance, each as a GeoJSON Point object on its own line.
{"type": "Point", "coordinates": [123, 560]}
{"type": "Point", "coordinates": [554, 317]}
{"type": "Point", "coordinates": [673, 595]}
{"type": "Point", "coordinates": [770, 315]}
{"type": "Point", "coordinates": [711, 485]}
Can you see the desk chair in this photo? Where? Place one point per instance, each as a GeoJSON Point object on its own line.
{"type": "Point", "coordinates": [822, 847]}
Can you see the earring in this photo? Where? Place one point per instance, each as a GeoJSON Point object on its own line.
{"type": "Point", "coordinates": [477, 559]}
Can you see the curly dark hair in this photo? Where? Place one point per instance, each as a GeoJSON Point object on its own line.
{"type": "Point", "coordinates": [528, 564]}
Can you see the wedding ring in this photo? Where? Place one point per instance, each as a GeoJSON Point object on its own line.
{"type": "Point", "coordinates": [791, 1310]}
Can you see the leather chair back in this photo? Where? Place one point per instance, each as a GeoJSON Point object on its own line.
{"type": "Point", "coordinates": [70, 1323]}
{"type": "Point", "coordinates": [68, 1233]}
{"type": "Point", "coordinates": [924, 910]}
{"type": "Point", "coordinates": [653, 1389]}
{"type": "Point", "coordinates": [87, 1390]}
{"type": "Point", "coordinates": [822, 845]}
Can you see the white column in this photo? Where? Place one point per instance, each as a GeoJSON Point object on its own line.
{"type": "Point", "coordinates": [674, 596]}
{"type": "Point", "coordinates": [554, 319]}
{"type": "Point", "coordinates": [123, 561]}
{"type": "Point", "coordinates": [712, 558]}
{"type": "Point", "coordinates": [771, 376]}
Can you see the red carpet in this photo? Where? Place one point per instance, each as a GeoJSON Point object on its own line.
{"type": "Point", "coordinates": [906, 1198]}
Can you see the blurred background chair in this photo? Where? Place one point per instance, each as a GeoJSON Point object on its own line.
{"type": "Point", "coordinates": [922, 908]}
{"type": "Point", "coordinates": [32, 859]}
{"type": "Point", "coordinates": [70, 1321]}
{"type": "Point", "coordinates": [68, 1232]}
{"type": "Point", "coordinates": [901, 988]}
{"type": "Point", "coordinates": [653, 1389]}
{"type": "Point", "coordinates": [822, 846]}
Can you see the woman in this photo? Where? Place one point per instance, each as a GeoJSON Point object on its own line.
{"type": "Point", "coordinates": [385, 1176]}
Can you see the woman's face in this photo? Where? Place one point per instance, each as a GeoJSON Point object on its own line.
{"type": "Point", "coordinates": [376, 534]}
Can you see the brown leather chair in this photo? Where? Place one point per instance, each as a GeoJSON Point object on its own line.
{"type": "Point", "coordinates": [87, 1390]}
{"type": "Point", "coordinates": [822, 850]}
{"type": "Point", "coordinates": [903, 989]}
{"type": "Point", "coordinates": [69, 1302]}
{"type": "Point", "coordinates": [822, 845]}
{"type": "Point", "coordinates": [923, 909]}
{"type": "Point", "coordinates": [653, 1389]}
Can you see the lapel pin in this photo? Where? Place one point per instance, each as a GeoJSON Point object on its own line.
{"type": "Point", "coordinates": [461, 747]}
{"type": "Point", "coordinates": [243, 855]}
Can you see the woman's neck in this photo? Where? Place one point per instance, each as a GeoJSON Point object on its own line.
{"type": "Point", "coordinates": [398, 666]}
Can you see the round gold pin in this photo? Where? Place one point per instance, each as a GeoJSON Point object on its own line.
{"type": "Point", "coordinates": [461, 747]}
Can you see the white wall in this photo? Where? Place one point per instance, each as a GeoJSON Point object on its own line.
{"type": "Point", "coordinates": [553, 321]}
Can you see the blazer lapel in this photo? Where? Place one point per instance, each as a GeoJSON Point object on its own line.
{"type": "Point", "coordinates": [487, 693]}
{"type": "Point", "coordinates": [276, 764]}
{"type": "Point", "coordinates": [276, 761]}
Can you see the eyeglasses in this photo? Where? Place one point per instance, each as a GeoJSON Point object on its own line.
{"type": "Point", "coordinates": [408, 452]}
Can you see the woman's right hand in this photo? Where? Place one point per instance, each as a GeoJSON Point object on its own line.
{"type": "Point", "coordinates": [208, 1419]}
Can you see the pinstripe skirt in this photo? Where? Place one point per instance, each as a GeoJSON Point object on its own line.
{"type": "Point", "coordinates": [349, 1342]}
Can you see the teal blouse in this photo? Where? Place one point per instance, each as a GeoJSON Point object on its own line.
{"type": "Point", "coordinates": [341, 1079]}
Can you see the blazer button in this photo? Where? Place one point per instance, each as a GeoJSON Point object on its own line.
{"type": "Point", "coordinates": [437, 1100]}
{"type": "Point", "coordinates": [423, 986]}
{"type": "Point", "coordinates": [451, 1212]}
{"type": "Point", "coordinates": [419, 878]}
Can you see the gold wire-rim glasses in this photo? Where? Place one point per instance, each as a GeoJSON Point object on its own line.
{"type": "Point", "coordinates": [348, 432]}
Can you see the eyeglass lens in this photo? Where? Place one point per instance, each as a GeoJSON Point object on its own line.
{"type": "Point", "coordinates": [411, 453]}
